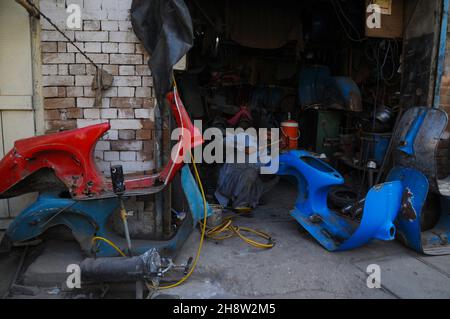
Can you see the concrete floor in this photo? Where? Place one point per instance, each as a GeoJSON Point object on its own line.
{"type": "Point", "coordinates": [297, 267]}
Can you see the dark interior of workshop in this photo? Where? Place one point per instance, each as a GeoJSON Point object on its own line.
{"type": "Point", "coordinates": [314, 63]}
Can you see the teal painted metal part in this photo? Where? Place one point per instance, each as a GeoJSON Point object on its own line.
{"type": "Point", "coordinates": [87, 219]}
{"type": "Point", "coordinates": [333, 231]}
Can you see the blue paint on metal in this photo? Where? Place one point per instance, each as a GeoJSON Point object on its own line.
{"type": "Point", "coordinates": [407, 146]}
{"type": "Point", "coordinates": [417, 184]}
{"type": "Point", "coordinates": [193, 195]}
{"type": "Point", "coordinates": [87, 219]}
{"type": "Point", "coordinates": [350, 92]}
{"type": "Point", "coordinates": [442, 54]}
{"type": "Point", "coordinates": [336, 233]}
{"type": "Point", "coordinates": [430, 242]}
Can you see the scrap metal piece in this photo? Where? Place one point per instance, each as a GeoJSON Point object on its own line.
{"type": "Point", "coordinates": [87, 219]}
{"type": "Point", "coordinates": [337, 233]}
{"type": "Point", "coordinates": [431, 242]}
{"type": "Point", "coordinates": [417, 140]}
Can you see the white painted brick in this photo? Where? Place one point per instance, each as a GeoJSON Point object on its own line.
{"type": "Point", "coordinates": [126, 70]}
{"type": "Point", "coordinates": [106, 102]}
{"type": "Point", "coordinates": [125, 91]}
{"type": "Point", "coordinates": [143, 92]}
{"type": "Point", "coordinates": [91, 25]}
{"type": "Point", "coordinates": [108, 113]}
{"type": "Point", "coordinates": [50, 58]}
{"type": "Point", "coordinates": [83, 80]}
{"type": "Point", "coordinates": [83, 123]}
{"type": "Point", "coordinates": [110, 25]}
{"type": "Point", "coordinates": [125, 58]}
{"type": "Point", "coordinates": [142, 113]}
{"type": "Point", "coordinates": [49, 69]}
{"type": "Point", "coordinates": [91, 36]}
{"type": "Point", "coordinates": [134, 167]}
{"type": "Point", "coordinates": [126, 124]}
{"type": "Point", "coordinates": [108, 47]}
{"type": "Point", "coordinates": [125, 26]}
{"type": "Point", "coordinates": [77, 69]}
{"type": "Point", "coordinates": [72, 49]}
{"type": "Point", "coordinates": [111, 135]}
{"type": "Point", "coordinates": [147, 81]}
{"type": "Point", "coordinates": [56, 36]}
{"type": "Point", "coordinates": [63, 69]}
{"type": "Point", "coordinates": [93, 47]}
{"type": "Point", "coordinates": [50, 91]}
{"type": "Point", "coordinates": [111, 92]}
{"type": "Point", "coordinates": [128, 156]}
{"type": "Point", "coordinates": [143, 70]}
{"type": "Point", "coordinates": [85, 102]}
{"type": "Point", "coordinates": [104, 167]}
{"type": "Point", "coordinates": [125, 114]}
{"type": "Point", "coordinates": [91, 113]}
{"type": "Point", "coordinates": [98, 155]}
{"type": "Point", "coordinates": [118, 14]}
{"type": "Point", "coordinates": [93, 4]}
{"type": "Point", "coordinates": [127, 80]}
{"type": "Point", "coordinates": [110, 4]}
{"type": "Point", "coordinates": [62, 47]}
{"type": "Point", "coordinates": [125, 4]}
{"type": "Point", "coordinates": [98, 58]}
{"type": "Point", "coordinates": [103, 146]}
{"type": "Point", "coordinates": [57, 80]}
{"type": "Point", "coordinates": [111, 156]}
{"type": "Point", "coordinates": [74, 91]}
{"type": "Point", "coordinates": [93, 14]}
{"type": "Point", "coordinates": [88, 92]}
{"type": "Point", "coordinates": [122, 36]}
{"type": "Point", "coordinates": [127, 47]}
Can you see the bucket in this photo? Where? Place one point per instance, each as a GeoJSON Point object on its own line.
{"type": "Point", "coordinates": [291, 134]}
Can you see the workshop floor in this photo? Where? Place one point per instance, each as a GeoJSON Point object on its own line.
{"type": "Point", "coordinates": [297, 267]}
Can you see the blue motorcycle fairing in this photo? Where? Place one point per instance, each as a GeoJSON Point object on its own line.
{"type": "Point", "coordinates": [333, 231]}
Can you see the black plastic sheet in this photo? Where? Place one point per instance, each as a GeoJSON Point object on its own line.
{"type": "Point", "coordinates": [165, 29]}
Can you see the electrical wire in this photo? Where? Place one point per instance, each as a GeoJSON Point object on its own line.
{"type": "Point", "coordinates": [202, 238]}
{"type": "Point", "coordinates": [336, 5]}
{"type": "Point", "coordinates": [227, 230]}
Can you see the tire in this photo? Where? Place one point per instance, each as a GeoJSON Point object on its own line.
{"type": "Point", "coordinates": [343, 196]}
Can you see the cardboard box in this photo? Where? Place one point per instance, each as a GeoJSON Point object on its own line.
{"type": "Point", "coordinates": [392, 12]}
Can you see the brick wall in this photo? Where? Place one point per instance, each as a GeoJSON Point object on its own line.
{"type": "Point", "coordinates": [107, 37]}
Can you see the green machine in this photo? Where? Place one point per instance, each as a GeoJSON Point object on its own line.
{"type": "Point", "coordinates": [320, 130]}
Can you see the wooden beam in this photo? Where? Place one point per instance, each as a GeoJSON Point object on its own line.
{"type": "Point", "coordinates": [32, 11]}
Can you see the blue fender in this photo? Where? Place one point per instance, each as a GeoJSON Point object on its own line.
{"type": "Point", "coordinates": [90, 218]}
{"type": "Point", "coordinates": [314, 179]}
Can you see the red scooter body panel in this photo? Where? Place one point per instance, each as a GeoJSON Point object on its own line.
{"type": "Point", "coordinates": [70, 155]}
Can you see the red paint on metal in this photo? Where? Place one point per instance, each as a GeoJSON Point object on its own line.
{"type": "Point", "coordinates": [70, 155]}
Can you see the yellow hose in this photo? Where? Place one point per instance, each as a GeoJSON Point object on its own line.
{"type": "Point", "coordinates": [227, 230]}
{"type": "Point", "coordinates": [97, 238]}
